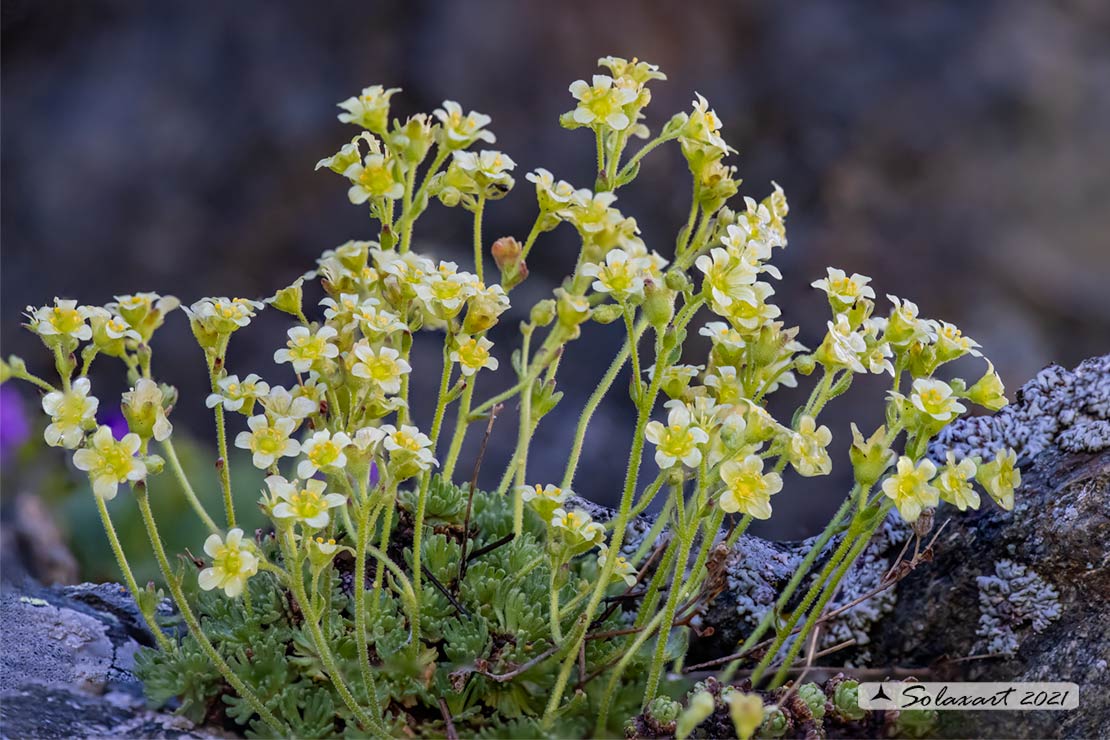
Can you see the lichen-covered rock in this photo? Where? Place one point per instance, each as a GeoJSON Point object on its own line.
{"type": "Point", "coordinates": [1067, 409]}
{"type": "Point", "coordinates": [66, 656]}
{"type": "Point", "coordinates": [1009, 596]}
{"type": "Point", "coordinates": [1017, 596]}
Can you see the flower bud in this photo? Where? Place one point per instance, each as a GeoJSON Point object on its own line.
{"type": "Point", "coordinates": [543, 313]}
{"type": "Point", "coordinates": [14, 367]}
{"type": "Point", "coordinates": [143, 408]}
{"type": "Point", "coordinates": [572, 310]}
{"type": "Point", "coordinates": [988, 391]}
{"type": "Point", "coordinates": [871, 457]}
{"type": "Point", "coordinates": [507, 253]}
{"type": "Point", "coordinates": [923, 360]}
{"type": "Point", "coordinates": [658, 303]}
{"type": "Point", "coordinates": [412, 140]}
{"type": "Point", "coordinates": [289, 300]}
{"type": "Point", "coordinates": [155, 464]}
{"type": "Point", "coordinates": [675, 125]}
{"type": "Point", "coordinates": [483, 310]}
{"type": "Point", "coordinates": [746, 711]}
{"type": "Point", "coordinates": [805, 364]}
{"type": "Point", "coordinates": [607, 313]}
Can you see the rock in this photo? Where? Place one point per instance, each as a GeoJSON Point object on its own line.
{"type": "Point", "coordinates": [1009, 596]}
{"type": "Point", "coordinates": [1017, 596]}
{"type": "Point", "coordinates": [67, 655]}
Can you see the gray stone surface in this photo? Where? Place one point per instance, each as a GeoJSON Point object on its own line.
{"type": "Point", "coordinates": [66, 655]}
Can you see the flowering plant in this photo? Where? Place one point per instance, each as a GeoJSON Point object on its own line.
{"type": "Point", "coordinates": [389, 597]}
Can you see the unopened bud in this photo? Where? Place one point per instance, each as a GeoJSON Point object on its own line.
{"type": "Point", "coordinates": [658, 303]}
{"type": "Point", "coordinates": [543, 313]}
{"type": "Point", "coordinates": [572, 310]}
{"type": "Point", "coordinates": [870, 457]}
{"type": "Point", "coordinates": [507, 253]}
{"type": "Point", "coordinates": [607, 313]}
{"type": "Point", "coordinates": [988, 391]}
{"type": "Point", "coordinates": [289, 300]}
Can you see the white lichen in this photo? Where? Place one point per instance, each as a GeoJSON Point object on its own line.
{"type": "Point", "coordinates": [1067, 408]}
{"type": "Point", "coordinates": [1013, 600]}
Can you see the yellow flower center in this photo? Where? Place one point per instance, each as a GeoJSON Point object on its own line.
{"type": "Point", "coordinates": [746, 485]}
{"type": "Point", "coordinates": [307, 504]}
{"type": "Point", "coordinates": [71, 410]}
{"type": "Point", "coordinates": [323, 454]}
{"type": "Point", "coordinates": [269, 441]}
{"type": "Point", "coordinates": [677, 442]}
{"type": "Point", "coordinates": [115, 461]}
{"type": "Point", "coordinates": [229, 560]}
{"type": "Point", "coordinates": [472, 354]}
{"type": "Point", "coordinates": [382, 369]}
{"type": "Point", "coordinates": [65, 320]}
{"type": "Point", "coordinates": [375, 179]}
{"type": "Point", "coordinates": [406, 442]}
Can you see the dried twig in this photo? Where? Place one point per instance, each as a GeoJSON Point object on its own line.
{"type": "Point", "coordinates": [900, 571]}
{"type": "Point", "coordinates": [443, 590]}
{"type": "Point", "coordinates": [452, 734]}
{"type": "Point", "coordinates": [489, 548]}
{"type": "Point", "coordinates": [463, 560]}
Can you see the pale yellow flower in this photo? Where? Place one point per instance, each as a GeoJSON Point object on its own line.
{"type": "Point", "coordinates": [233, 562]}
{"type": "Point", "coordinates": [909, 487]}
{"type": "Point", "coordinates": [236, 395]}
{"type": "Point", "coordinates": [749, 489]}
{"type": "Point", "coordinates": [934, 398]}
{"type": "Point", "coordinates": [109, 462]}
{"type": "Point", "coordinates": [472, 354]}
{"type": "Point", "coordinates": [305, 348]}
{"type": "Point", "coordinates": [64, 320]}
{"type": "Point", "coordinates": [268, 440]}
{"type": "Point", "coordinates": [460, 130]}
{"type": "Point", "coordinates": [954, 483]}
{"type": "Point", "coordinates": [602, 103]}
{"type": "Point", "coordinates": [370, 109]}
{"type": "Point", "coordinates": [71, 413]}
{"type": "Point", "coordinates": [384, 367]}
{"type": "Point", "coordinates": [844, 290]}
{"type": "Point", "coordinates": [1001, 478]}
{"type": "Point", "coordinates": [621, 568]}
{"type": "Point", "coordinates": [323, 451]}
{"type": "Point", "coordinates": [304, 503]}
{"type": "Point", "coordinates": [679, 441]}
{"type": "Point", "coordinates": [806, 450]}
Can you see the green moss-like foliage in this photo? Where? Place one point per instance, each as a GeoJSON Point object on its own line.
{"type": "Point", "coordinates": [505, 623]}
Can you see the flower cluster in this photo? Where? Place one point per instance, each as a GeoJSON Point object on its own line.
{"type": "Point", "coordinates": [359, 491]}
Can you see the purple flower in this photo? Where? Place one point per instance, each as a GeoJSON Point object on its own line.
{"type": "Point", "coordinates": [14, 426]}
{"type": "Point", "coordinates": [375, 476]}
{"type": "Point", "coordinates": [114, 420]}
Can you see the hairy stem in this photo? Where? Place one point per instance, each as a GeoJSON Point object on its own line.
{"type": "Point", "coordinates": [277, 726]}
{"type": "Point", "coordinates": [186, 487]}
{"type": "Point", "coordinates": [128, 576]}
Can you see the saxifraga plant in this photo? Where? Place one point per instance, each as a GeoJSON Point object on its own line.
{"type": "Point", "coordinates": [390, 597]}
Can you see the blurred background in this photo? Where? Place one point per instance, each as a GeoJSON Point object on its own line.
{"type": "Point", "coordinates": [956, 152]}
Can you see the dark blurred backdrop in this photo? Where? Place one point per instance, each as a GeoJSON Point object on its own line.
{"type": "Point", "coordinates": [957, 152]}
